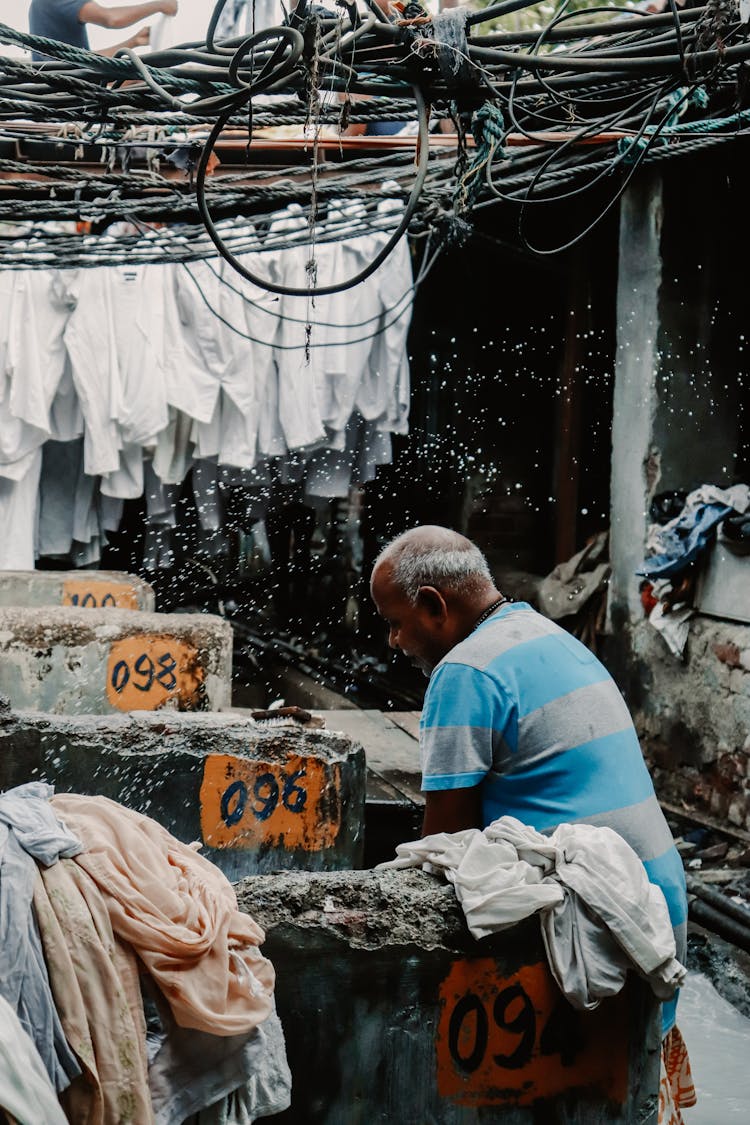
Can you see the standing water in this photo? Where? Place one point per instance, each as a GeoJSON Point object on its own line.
{"type": "Point", "coordinates": [718, 1040]}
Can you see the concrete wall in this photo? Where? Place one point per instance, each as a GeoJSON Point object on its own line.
{"type": "Point", "coordinates": [393, 1013]}
{"type": "Point", "coordinates": [90, 589]}
{"type": "Point", "coordinates": [634, 456]}
{"type": "Point", "coordinates": [694, 718]}
{"type": "Point", "coordinates": [674, 427]}
{"type": "Point", "coordinates": [258, 799]}
{"type": "Point", "coordinates": [94, 661]}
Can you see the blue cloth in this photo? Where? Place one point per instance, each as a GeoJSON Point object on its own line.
{"type": "Point", "coordinates": [29, 828]}
{"type": "Point", "coordinates": [524, 710]}
{"type": "Point", "coordinates": [690, 535]}
{"type": "Point", "coordinates": [383, 128]}
{"type": "Point", "coordinates": [58, 19]}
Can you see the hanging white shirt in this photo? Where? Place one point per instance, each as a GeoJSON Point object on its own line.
{"type": "Point", "coordinates": [34, 308]}
{"type": "Point", "coordinates": [298, 400]}
{"type": "Point", "coordinates": [19, 508]}
{"type": "Point", "coordinates": [352, 318]}
{"type": "Point", "coordinates": [196, 349]}
{"type": "Point", "coordinates": [92, 347]}
{"type": "Point", "coordinates": [251, 427]}
{"type": "Point", "coordinates": [383, 396]}
{"type": "Point", "coordinates": [68, 510]}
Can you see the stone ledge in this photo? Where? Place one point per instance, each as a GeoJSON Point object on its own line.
{"type": "Point", "coordinates": [99, 661]}
{"type": "Point", "coordinates": [295, 797]}
{"type": "Point", "coordinates": [95, 589]}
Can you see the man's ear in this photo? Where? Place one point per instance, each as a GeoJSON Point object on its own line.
{"type": "Point", "coordinates": [430, 599]}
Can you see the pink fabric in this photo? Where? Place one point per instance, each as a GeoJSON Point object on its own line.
{"type": "Point", "coordinates": [178, 912]}
{"type": "Point", "coordinates": [94, 979]}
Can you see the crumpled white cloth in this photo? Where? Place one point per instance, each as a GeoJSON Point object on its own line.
{"type": "Point", "coordinates": [600, 915]}
{"type": "Point", "coordinates": [29, 830]}
{"type": "Point", "coordinates": [673, 626]}
{"type": "Point", "coordinates": [203, 1079]}
{"type": "Point", "coordinates": [39, 831]}
{"type": "Point", "coordinates": [25, 1089]}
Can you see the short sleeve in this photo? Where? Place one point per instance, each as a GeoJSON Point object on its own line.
{"type": "Point", "coordinates": [463, 716]}
{"type": "Point", "coordinates": [71, 8]}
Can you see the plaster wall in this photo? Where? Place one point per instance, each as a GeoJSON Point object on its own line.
{"type": "Point", "coordinates": [694, 717]}
{"type": "Point", "coordinates": [675, 427]}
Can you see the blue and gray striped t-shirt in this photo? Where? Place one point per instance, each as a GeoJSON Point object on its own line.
{"type": "Point", "coordinates": [525, 710]}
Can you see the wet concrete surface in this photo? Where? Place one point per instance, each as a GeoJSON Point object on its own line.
{"type": "Point", "coordinates": [258, 799]}
{"type": "Point", "coordinates": [394, 1013]}
{"type": "Point", "coordinates": [71, 660]}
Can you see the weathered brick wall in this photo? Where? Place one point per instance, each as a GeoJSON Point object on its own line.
{"type": "Point", "coordinates": [694, 717]}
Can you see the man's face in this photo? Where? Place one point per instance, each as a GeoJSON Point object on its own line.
{"type": "Point", "coordinates": [416, 629]}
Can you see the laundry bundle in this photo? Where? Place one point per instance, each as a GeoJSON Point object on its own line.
{"type": "Point", "coordinates": [675, 546]}
{"type": "Point", "coordinates": [116, 381]}
{"type": "Point", "coordinates": [140, 987]}
{"type": "Point", "coordinates": [600, 916]}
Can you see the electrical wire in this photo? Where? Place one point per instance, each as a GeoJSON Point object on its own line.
{"type": "Point", "coordinates": [425, 269]}
{"type": "Point", "coordinates": [562, 89]}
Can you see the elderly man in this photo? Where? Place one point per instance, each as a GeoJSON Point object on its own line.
{"type": "Point", "coordinates": [519, 717]}
{"type": "Point", "coordinates": [65, 20]}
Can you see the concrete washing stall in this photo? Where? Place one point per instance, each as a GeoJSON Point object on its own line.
{"type": "Point", "coordinates": [257, 799]}
{"type": "Point", "coordinates": [89, 589]}
{"type": "Point", "coordinates": [393, 1013]}
{"type": "Point", "coordinates": [98, 661]}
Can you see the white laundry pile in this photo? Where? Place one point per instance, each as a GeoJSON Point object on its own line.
{"type": "Point", "coordinates": [116, 381]}
{"type": "Point", "coordinates": [25, 1089]}
{"type": "Point", "coordinates": [599, 914]}
{"type": "Point", "coordinates": [672, 622]}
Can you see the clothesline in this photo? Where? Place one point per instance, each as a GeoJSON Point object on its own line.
{"type": "Point", "coordinates": [619, 84]}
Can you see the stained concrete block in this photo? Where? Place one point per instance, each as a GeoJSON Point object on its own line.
{"type": "Point", "coordinates": [393, 1013]}
{"type": "Point", "coordinates": [258, 799]}
{"type": "Point", "coordinates": [89, 589]}
{"type": "Point", "coordinates": [94, 661]}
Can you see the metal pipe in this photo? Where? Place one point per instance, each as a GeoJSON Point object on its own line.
{"type": "Point", "coordinates": [720, 923]}
{"type": "Point", "coordinates": [719, 901]}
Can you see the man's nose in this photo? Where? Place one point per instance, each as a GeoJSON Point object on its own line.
{"type": "Point", "coordinates": [393, 638]}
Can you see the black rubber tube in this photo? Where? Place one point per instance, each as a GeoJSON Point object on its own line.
{"type": "Point", "coordinates": [720, 923]}
{"type": "Point", "coordinates": [719, 901]}
{"type": "Point", "coordinates": [323, 290]}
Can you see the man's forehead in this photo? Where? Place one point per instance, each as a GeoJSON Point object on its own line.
{"type": "Point", "coordinates": [382, 582]}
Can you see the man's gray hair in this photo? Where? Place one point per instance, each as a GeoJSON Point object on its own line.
{"type": "Point", "coordinates": [458, 565]}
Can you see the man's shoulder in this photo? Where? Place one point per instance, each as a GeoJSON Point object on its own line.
{"type": "Point", "coordinates": [54, 12]}
{"type": "Point", "coordinates": [515, 625]}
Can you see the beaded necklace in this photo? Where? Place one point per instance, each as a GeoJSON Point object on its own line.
{"type": "Point", "coordinates": [489, 611]}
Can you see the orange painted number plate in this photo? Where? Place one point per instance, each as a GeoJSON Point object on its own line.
{"type": "Point", "coordinates": [146, 672]}
{"type": "Point", "coordinates": [245, 804]}
{"type": "Point", "coordinates": [99, 595]}
{"type": "Point", "coordinates": [515, 1040]}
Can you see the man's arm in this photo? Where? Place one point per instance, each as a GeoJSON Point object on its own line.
{"type": "Point", "coordinates": [464, 711]}
{"type": "Point", "coordinates": [451, 810]}
{"type": "Point", "coordinates": [141, 38]}
{"type": "Point", "coordinates": [124, 15]}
